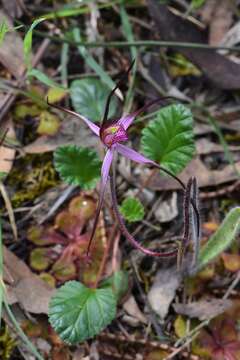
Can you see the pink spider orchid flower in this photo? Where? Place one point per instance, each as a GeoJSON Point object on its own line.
{"type": "Point", "coordinates": [113, 135]}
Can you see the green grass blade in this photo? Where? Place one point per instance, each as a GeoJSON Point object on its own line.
{"type": "Point", "coordinates": [64, 63]}
{"type": "Point", "coordinates": [128, 33]}
{"type": "Point", "coordinates": [76, 11]}
{"type": "Point", "coordinates": [3, 30]}
{"type": "Point", "coordinates": [43, 78]}
{"type": "Point", "coordinates": [227, 152]}
{"type": "Point", "coordinates": [93, 64]}
{"type": "Point", "coordinates": [27, 43]}
{"type": "Point", "coordinates": [221, 239]}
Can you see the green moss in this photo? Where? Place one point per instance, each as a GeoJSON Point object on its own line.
{"type": "Point", "coordinates": [31, 177]}
{"type": "Point", "coordinates": [7, 343]}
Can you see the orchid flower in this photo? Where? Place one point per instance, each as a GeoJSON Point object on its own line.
{"type": "Point", "coordinates": [112, 135]}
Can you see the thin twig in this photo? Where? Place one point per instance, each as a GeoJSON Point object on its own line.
{"type": "Point", "coordinates": [232, 286]}
{"type": "Point", "coordinates": [181, 348]}
{"type": "Point", "coordinates": [9, 208]}
{"type": "Point", "coordinates": [137, 43]}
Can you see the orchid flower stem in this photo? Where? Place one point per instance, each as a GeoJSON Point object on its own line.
{"type": "Point", "coordinates": [105, 256]}
{"type": "Point", "coordinates": [99, 207]}
{"type": "Point", "coordinates": [125, 231]}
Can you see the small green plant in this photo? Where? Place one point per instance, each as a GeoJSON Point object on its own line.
{"type": "Point", "coordinates": [132, 210]}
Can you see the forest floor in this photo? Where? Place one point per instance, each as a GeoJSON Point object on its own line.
{"type": "Point", "coordinates": [186, 53]}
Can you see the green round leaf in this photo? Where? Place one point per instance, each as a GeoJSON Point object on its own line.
{"type": "Point", "coordinates": [77, 166]}
{"type": "Point", "coordinates": [89, 98]}
{"type": "Point", "coordinates": [78, 313]}
{"type": "Point", "coordinates": [132, 210]}
{"type": "Point", "coordinates": [168, 139]}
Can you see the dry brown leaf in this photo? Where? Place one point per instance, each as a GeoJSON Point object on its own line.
{"type": "Point", "coordinates": [167, 209]}
{"type": "Point", "coordinates": [226, 75]}
{"type": "Point", "coordinates": [203, 309]}
{"type": "Point", "coordinates": [72, 132]}
{"type": "Point", "coordinates": [23, 286]}
{"type": "Point", "coordinates": [33, 294]}
{"type": "Point", "coordinates": [205, 146]}
{"type": "Point", "coordinates": [205, 177]}
{"type": "Point", "coordinates": [7, 154]}
{"type": "Point", "coordinates": [11, 50]}
{"type": "Point", "coordinates": [14, 8]}
{"type": "Point", "coordinates": [206, 11]}
{"type": "Point", "coordinates": [131, 307]}
{"type": "Point", "coordinates": [163, 290]}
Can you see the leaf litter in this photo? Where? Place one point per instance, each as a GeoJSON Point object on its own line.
{"type": "Point", "coordinates": [39, 130]}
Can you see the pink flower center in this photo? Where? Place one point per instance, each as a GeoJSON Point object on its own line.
{"type": "Point", "coordinates": [114, 134]}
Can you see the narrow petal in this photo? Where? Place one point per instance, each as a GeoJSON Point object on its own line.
{"type": "Point", "coordinates": [139, 158]}
{"type": "Point", "coordinates": [127, 120]}
{"type": "Point", "coordinates": [134, 155]}
{"type": "Point", "coordinates": [106, 165]}
{"type": "Point", "coordinates": [104, 177]}
{"type": "Point", "coordinates": [95, 129]}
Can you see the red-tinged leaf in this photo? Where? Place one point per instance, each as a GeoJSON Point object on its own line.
{"type": "Point", "coordinates": [64, 270]}
{"type": "Point", "coordinates": [32, 329]}
{"type": "Point", "coordinates": [231, 262]}
{"type": "Point", "coordinates": [83, 206]}
{"type": "Point", "coordinates": [157, 355]}
{"type": "Point", "coordinates": [61, 353]}
{"type": "Point", "coordinates": [89, 271]}
{"type": "Point", "coordinates": [48, 278]}
{"type": "Point", "coordinates": [69, 224]}
{"type": "Point", "coordinates": [41, 236]}
{"type": "Point", "coordinates": [222, 340]}
{"type": "Point", "coordinates": [40, 259]}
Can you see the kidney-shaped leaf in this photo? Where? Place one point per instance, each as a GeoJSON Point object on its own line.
{"type": "Point", "coordinates": [89, 97]}
{"type": "Point", "coordinates": [168, 139]}
{"type": "Point", "coordinates": [78, 313]}
{"type": "Point", "coordinates": [77, 166]}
